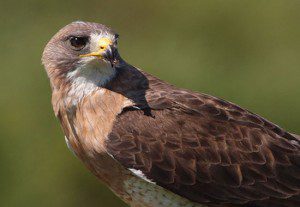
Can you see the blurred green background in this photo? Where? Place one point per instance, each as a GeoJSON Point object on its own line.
{"type": "Point", "coordinates": [247, 52]}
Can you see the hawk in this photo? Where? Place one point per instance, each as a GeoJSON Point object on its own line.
{"type": "Point", "coordinates": [154, 144]}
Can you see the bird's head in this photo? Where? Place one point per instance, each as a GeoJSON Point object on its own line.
{"type": "Point", "coordinates": [82, 49]}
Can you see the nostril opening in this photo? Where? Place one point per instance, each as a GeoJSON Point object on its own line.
{"type": "Point", "coordinates": [101, 47]}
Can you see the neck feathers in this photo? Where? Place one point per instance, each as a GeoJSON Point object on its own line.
{"type": "Point", "coordinates": [71, 88]}
{"type": "Point", "coordinates": [85, 80]}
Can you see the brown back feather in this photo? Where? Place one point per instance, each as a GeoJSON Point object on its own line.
{"type": "Point", "coordinates": [206, 149]}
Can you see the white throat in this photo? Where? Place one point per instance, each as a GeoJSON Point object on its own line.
{"type": "Point", "coordinates": [88, 77]}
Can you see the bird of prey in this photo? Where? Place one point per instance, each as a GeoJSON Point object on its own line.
{"type": "Point", "coordinates": [154, 144]}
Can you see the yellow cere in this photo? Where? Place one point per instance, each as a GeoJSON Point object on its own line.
{"type": "Point", "coordinates": [103, 44]}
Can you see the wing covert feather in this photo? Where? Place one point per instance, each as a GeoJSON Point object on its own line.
{"type": "Point", "coordinates": [208, 150]}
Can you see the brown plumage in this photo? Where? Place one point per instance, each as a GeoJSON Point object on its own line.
{"type": "Point", "coordinates": [205, 150]}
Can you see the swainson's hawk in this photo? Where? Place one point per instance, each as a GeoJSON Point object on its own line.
{"type": "Point", "coordinates": [156, 145]}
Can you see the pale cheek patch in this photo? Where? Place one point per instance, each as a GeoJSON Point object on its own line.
{"type": "Point", "coordinates": [87, 78]}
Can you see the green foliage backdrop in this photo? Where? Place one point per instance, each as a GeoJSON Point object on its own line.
{"type": "Point", "coordinates": [247, 52]}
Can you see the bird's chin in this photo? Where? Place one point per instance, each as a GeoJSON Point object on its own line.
{"type": "Point", "coordinates": [92, 70]}
{"type": "Point", "coordinates": [108, 63]}
{"type": "Point", "coordinates": [96, 62]}
{"type": "Point", "coordinates": [113, 63]}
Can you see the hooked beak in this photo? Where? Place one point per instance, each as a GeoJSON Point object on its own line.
{"type": "Point", "coordinates": [106, 51]}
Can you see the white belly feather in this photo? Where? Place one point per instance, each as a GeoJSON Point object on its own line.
{"type": "Point", "coordinates": [148, 194]}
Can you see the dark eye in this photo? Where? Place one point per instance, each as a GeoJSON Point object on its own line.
{"type": "Point", "coordinates": [78, 42]}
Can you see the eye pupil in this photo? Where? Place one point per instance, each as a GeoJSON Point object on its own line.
{"type": "Point", "coordinates": [78, 42]}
